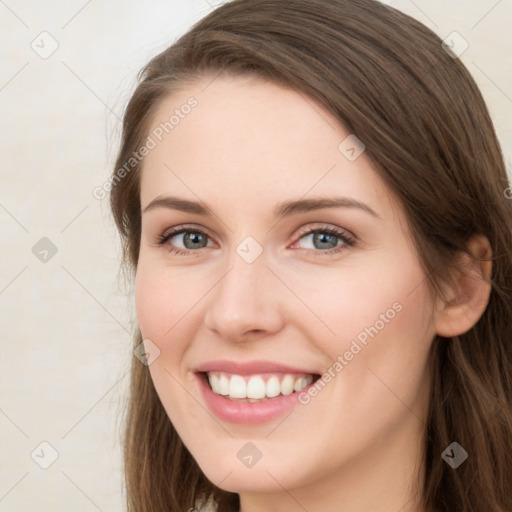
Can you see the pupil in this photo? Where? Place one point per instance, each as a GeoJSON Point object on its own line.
{"type": "Point", "coordinates": [322, 238]}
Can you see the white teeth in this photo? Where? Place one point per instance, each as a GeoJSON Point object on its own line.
{"type": "Point", "coordinates": [223, 388]}
{"type": "Point", "coordinates": [287, 385]}
{"type": "Point", "coordinates": [301, 383]}
{"type": "Point", "coordinates": [214, 381]}
{"type": "Point", "coordinates": [237, 387]}
{"type": "Point", "coordinates": [273, 387]}
{"type": "Point", "coordinates": [255, 388]}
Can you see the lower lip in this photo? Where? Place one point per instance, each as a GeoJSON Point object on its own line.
{"type": "Point", "coordinates": [246, 412]}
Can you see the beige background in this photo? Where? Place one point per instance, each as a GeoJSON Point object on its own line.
{"type": "Point", "coordinates": [65, 322]}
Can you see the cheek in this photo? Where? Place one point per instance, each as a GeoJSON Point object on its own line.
{"type": "Point", "coordinates": [359, 294]}
{"type": "Point", "coordinates": [151, 303]}
{"type": "Point", "coordinates": [380, 317]}
{"type": "Point", "coordinates": [385, 334]}
{"type": "Point", "coordinates": [163, 298]}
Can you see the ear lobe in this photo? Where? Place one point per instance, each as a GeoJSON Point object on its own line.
{"type": "Point", "coordinates": [468, 296]}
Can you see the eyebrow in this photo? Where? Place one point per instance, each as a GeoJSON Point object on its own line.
{"type": "Point", "coordinates": [284, 209]}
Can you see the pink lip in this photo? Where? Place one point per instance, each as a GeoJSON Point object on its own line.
{"type": "Point", "coordinates": [249, 368]}
{"type": "Point", "coordinates": [246, 412]}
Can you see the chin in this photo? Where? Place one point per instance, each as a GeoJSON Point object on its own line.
{"type": "Point", "coordinates": [225, 470]}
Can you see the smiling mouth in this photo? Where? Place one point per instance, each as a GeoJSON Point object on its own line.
{"type": "Point", "coordinates": [258, 387]}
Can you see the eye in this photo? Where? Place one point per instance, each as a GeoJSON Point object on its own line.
{"type": "Point", "coordinates": [326, 240]}
{"type": "Point", "coordinates": [322, 240]}
{"type": "Point", "coordinates": [190, 238]}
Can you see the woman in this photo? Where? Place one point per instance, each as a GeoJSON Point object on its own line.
{"type": "Point", "coordinates": [313, 201]}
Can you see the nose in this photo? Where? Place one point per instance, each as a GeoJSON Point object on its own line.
{"type": "Point", "coordinates": [245, 303]}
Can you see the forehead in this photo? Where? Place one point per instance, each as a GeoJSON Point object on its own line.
{"type": "Point", "coordinates": [252, 141]}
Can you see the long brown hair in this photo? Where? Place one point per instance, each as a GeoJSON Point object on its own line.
{"type": "Point", "coordinates": [425, 125]}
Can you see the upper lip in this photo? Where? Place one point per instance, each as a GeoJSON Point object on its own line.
{"type": "Point", "coordinates": [249, 367]}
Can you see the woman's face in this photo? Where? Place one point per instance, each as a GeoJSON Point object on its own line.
{"type": "Point", "coordinates": [269, 288]}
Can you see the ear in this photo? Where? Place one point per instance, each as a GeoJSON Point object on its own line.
{"type": "Point", "coordinates": [467, 297]}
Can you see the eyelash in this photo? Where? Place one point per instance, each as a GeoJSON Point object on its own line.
{"type": "Point", "coordinates": [347, 239]}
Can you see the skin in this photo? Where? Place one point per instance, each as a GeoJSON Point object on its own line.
{"type": "Point", "coordinates": [246, 147]}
